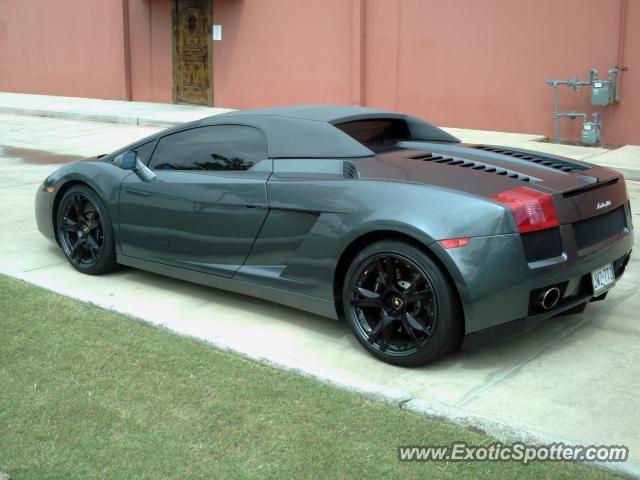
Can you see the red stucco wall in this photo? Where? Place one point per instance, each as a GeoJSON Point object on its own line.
{"type": "Point", "coordinates": [282, 52]}
{"type": "Point", "coordinates": [70, 47]}
{"type": "Point", "coordinates": [483, 64]}
{"type": "Point", "coordinates": [465, 63]}
{"type": "Point", "coordinates": [151, 66]}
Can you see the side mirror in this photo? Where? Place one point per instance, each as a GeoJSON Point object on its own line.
{"type": "Point", "coordinates": [129, 161]}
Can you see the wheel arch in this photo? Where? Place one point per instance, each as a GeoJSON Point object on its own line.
{"type": "Point", "coordinates": [350, 252]}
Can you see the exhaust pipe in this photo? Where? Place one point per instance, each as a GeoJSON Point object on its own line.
{"type": "Point", "coordinates": [549, 298]}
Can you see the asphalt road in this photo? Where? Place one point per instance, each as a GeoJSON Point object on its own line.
{"type": "Point", "coordinates": [574, 379]}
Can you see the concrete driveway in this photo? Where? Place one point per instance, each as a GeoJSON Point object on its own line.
{"type": "Point", "coordinates": [574, 379]}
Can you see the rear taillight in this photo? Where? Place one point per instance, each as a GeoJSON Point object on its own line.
{"type": "Point", "coordinates": [532, 210]}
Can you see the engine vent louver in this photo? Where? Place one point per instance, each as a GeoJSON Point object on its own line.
{"type": "Point", "coordinates": [349, 170]}
{"type": "Point", "coordinates": [474, 165]}
{"type": "Point", "coordinates": [556, 163]}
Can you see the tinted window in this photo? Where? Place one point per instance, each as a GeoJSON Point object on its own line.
{"type": "Point", "coordinates": [144, 151]}
{"type": "Point", "coordinates": [217, 148]}
{"type": "Point", "coordinates": [376, 131]}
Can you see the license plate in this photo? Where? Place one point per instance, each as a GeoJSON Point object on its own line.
{"type": "Point", "coordinates": [603, 279]}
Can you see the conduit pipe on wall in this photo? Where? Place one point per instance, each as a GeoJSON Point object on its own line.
{"type": "Point", "coordinates": [357, 52]}
{"type": "Point", "coordinates": [621, 35]}
{"type": "Point", "coordinates": [127, 49]}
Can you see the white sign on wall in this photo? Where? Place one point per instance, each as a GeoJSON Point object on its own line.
{"type": "Point", "coordinates": [217, 32]}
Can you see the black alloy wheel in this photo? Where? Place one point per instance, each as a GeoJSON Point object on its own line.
{"type": "Point", "coordinates": [84, 231]}
{"type": "Point", "coordinates": [400, 305]}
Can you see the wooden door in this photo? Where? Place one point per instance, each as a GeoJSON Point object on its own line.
{"type": "Point", "coordinates": [191, 51]}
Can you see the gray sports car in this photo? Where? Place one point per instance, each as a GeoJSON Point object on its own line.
{"type": "Point", "coordinates": [420, 242]}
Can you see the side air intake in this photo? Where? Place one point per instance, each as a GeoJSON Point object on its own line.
{"type": "Point", "coordinates": [475, 165]}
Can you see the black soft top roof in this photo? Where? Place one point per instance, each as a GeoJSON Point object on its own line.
{"type": "Point", "coordinates": [307, 131]}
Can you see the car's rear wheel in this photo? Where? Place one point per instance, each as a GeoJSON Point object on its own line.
{"type": "Point", "coordinates": [400, 304]}
{"type": "Point", "coordinates": [85, 232]}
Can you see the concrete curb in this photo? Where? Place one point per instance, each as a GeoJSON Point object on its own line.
{"type": "Point", "coordinates": [398, 398]}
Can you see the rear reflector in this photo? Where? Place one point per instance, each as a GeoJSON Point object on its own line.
{"type": "Point", "coordinates": [532, 210]}
{"type": "Point", "coordinates": [454, 242]}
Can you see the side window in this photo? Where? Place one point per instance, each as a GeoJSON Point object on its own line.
{"type": "Point", "coordinates": [376, 131]}
{"type": "Point", "coordinates": [216, 148]}
{"type": "Point", "coordinates": [144, 151]}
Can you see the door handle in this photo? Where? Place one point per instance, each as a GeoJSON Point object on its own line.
{"type": "Point", "coordinates": [256, 206]}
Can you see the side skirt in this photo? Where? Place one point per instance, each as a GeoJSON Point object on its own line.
{"type": "Point", "coordinates": [318, 306]}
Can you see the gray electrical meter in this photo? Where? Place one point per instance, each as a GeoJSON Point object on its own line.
{"type": "Point", "coordinates": [590, 133]}
{"type": "Point", "coordinates": [601, 93]}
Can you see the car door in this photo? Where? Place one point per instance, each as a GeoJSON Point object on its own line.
{"type": "Point", "coordinates": [207, 203]}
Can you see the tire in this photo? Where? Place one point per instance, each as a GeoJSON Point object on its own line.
{"type": "Point", "coordinates": [413, 319]}
{"type": "Point", "coordinates": [85, 231]}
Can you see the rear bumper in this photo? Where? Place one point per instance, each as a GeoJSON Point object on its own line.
{"type": "Point", "coordinates": [496, 283]}
{"type": "Point", "coordinates": [514, 328]}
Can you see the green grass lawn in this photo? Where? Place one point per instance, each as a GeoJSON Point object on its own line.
{"type": "Point", "coordinates": [85, 393]}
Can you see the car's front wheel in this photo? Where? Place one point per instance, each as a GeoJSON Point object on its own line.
{"type": "Point", "coordinates": [85, 232]}
{"type": "Point", "coordinates": [400, 304]}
